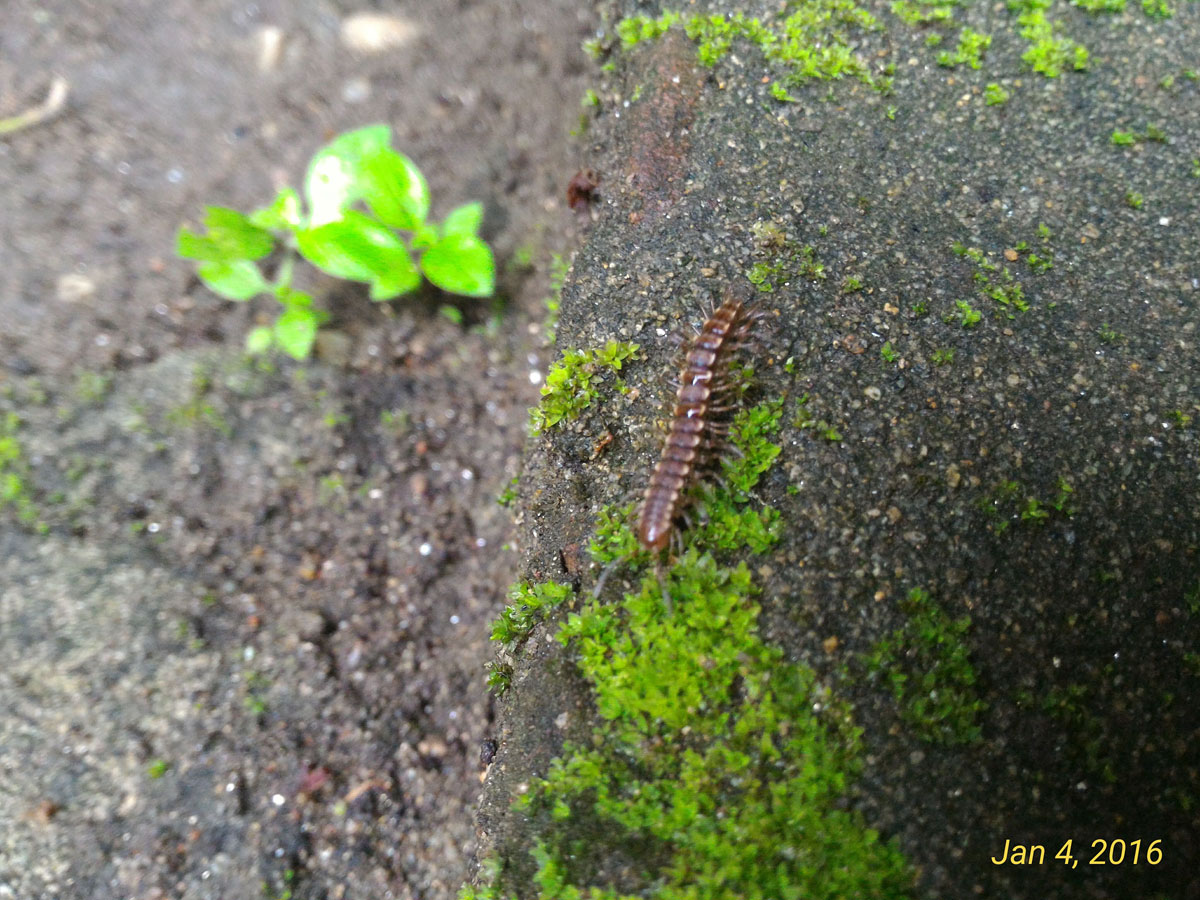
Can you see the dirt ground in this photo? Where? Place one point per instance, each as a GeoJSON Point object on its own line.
{"type": "Point", "coordinates": [244, 607]}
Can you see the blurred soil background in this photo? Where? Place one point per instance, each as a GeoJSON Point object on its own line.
{"type": "Point", "coordinates": [244, 606]}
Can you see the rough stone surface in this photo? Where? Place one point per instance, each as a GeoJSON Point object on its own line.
{"type": "Point", "coordinates": [1095, 385]}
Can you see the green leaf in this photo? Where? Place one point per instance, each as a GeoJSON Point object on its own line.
{"type": "Point", "coordinates": [259, 339]}
{"type": "Point", "coordinates": [464, 220]}
{"type": "Point", "coordinates": [283, 214]}
{"type": "Point", "coordinates": [237, 279]}
{"type": "Point", "coordinates": [394, 189]}
{"type": "Point", "coordinates": [296, 330]}
{"type": "Point", "coordinates": [230, 236]}
{"type": "Point", "coordinates": [461, 264]}
{"type": "Point", "coordinates": [289, 297]}
{"type": "Point", "coordinates": [335, 175]}
{"type": "Point", "coordinates": [355, 247]}
{"type": "Point", "coordinates": [402, 278]}
{"type": "Point", "coordinates": [425, 237]}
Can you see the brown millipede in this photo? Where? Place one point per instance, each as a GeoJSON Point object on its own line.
{"type": "Point", "coordinates": [693, 427]}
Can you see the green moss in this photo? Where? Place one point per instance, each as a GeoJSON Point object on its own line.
{"type": "Point", "coordinates": [559, 266]}
{"type": "Point", "coordinates": [709, 755]}
{"type": "Point", "coordinates": [722, 766]}
{"type": "Point", "coordinates": [813, 42]}
{"type": "Point", "coordinates": [529, 605]}
{"type": "Point", "coordinates": [92, 387]}
{"type": "Point", "coordinates": [571, 384]}
{"type": "Point", "coordinates": [787, 260]}
{"type": "Point", "coordinates": [968, 316]}
{"type": "Point", "coordinates": [1008, 502]}
{"type": "Point", "coordinates": [1050, 53]}
{"type": "Point", "coordinates": [995, 95]}
{"type": "Point", "coordinates": [197, 412]}
{"type": "Point", "coordinates": [1191, 600]}
{"type": "Point", "coordinates": [15, 473]}
{"type": "Point", "coordinates": [635, 29]}
{"type": "Point", "coordinates": [970, 50]}
{"type": "Point", "coordinates": [926, 662]}
{"type": "Point", "coordinates": [506, 497]}
{"type": "Point", "coordinates": [805, 420]}
{"type": "Point", "coordinates": [1154, 133]}
{"type": "Point", "coordinates": [997, 282]}
{"type": "Point", "coordinates": [1072, 706]}
{"type": "Point", "coordinates": [925, 13]}
{"type": "Point", "coordinates": [1157, 9]}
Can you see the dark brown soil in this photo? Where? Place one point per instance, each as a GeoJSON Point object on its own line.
{"type": "Point", "coordinates": [244, 628]}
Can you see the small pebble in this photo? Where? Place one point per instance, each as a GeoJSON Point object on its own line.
{"type": "Point", "coordinates": [375, 32]}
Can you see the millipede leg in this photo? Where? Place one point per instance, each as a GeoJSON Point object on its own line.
{"type": "Point", "coordinates": [662, 586]}
{"type": "Point", "coordinates": [604, 573]}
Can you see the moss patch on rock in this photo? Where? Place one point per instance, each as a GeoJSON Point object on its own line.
{"type": "Point", "coordinates": [716, 768]}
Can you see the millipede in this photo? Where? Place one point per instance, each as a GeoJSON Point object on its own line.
{"type": "Point", "coordinates": [695, 428]}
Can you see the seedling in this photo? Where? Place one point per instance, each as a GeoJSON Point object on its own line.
{"type": "Point", "coordinates": [389, 246]}
{"type": "Point", "coordinates": [995, 95]}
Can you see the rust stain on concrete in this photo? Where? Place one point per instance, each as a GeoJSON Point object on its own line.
{"type": "Point", "coordinates": [662, 120]}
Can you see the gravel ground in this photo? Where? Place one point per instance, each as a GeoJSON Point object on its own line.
{"type": "Point", "coordinates": [245, 623]}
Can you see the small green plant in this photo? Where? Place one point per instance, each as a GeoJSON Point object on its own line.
{"type": "Point", "coordinates": [507, 496]}
{"type": "Point", "coordinates": [1063, 501]}
{"type": "Point", "coordinates": [1134, 200]}
{"type": "Point", "coordinates": [1154, 133]}
{"type": "Point", "coordinates": [1039, 264]}
{"type": "Point", "coordinates": [888, 353]}
{"type": "Point", "coordinates": [157, 768]}
{"type": "Point", "coordinates": [1108, 334]}
{"type": "Point", "coordinates": [971, 47]}
{"type": "Point", "coordinates": [1157, 9]}
{"type": "Point", "coordinates": [925, 12]}
{"type": "Point", "coordinates": [1123, 138]}
{"type": "Point", "coordinates": [570, 384]}
{"type": "Point", "coordinates": [1034, 511]}
{"type": "Point", "coordinates": [968, 316]}
{"type": "Point", "coordinates": [1049, 52]}
{"type": "Point", "coordinates": [943, 356]}
{"type": "Point", "coordinates": [995, 95]}
{"type": "Point", "coordinates": [389, 246]}
{"type": "Point", "coordinates": [14, 474]}
{"type": "Point", "coordinates": [529, 606]}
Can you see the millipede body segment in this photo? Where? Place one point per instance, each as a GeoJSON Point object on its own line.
{"type": "Point", "coordinates": [692, 426]}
